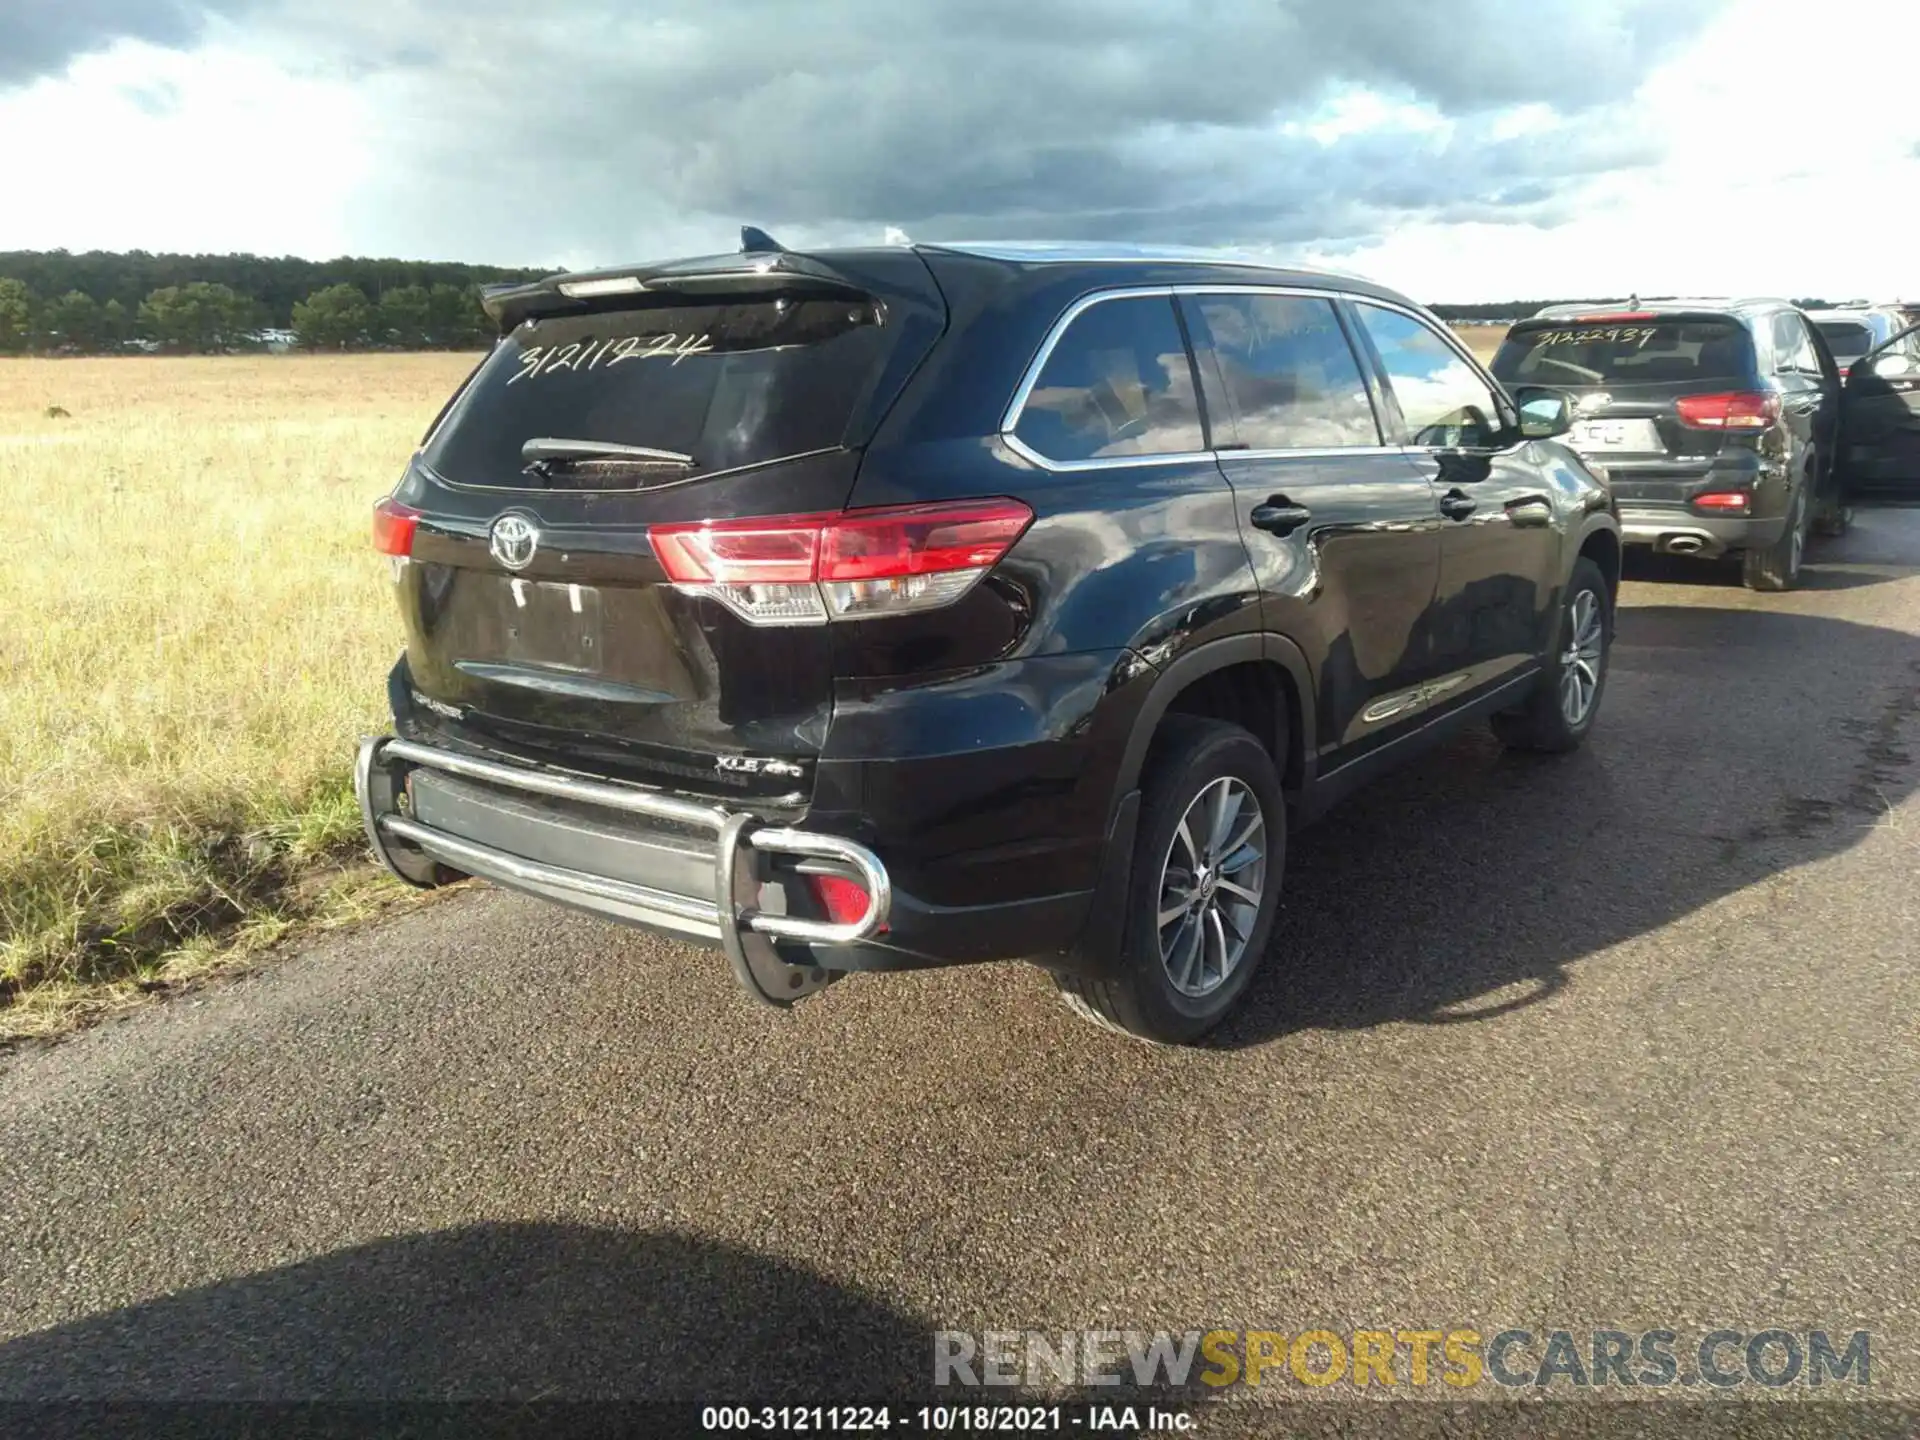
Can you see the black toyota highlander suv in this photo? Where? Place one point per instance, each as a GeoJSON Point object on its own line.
{"type": "Point", "coordinates": [888, 608]}
{"type": "Point", "coordinates": [1717, 422]}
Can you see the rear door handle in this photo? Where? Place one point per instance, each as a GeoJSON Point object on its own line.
{"type": "Point", "coordinates": [1456, 505]}
{"type": "Point", "coordinates": [1280, 516]}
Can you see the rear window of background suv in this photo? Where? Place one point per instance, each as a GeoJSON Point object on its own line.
{"type": "Point", "coordinates": [730, 384]}
{"type": "Point", "coordinates": [1846, 338]}
{"type": "Point", "coordinates": [1650, 352]}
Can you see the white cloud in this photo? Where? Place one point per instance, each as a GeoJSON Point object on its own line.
{"type": "Point", "coordinates": [1784, 174]}
{"type": "Point", "coordinates": [214, 150]}
{"type": "Point", "coordinates": [1722, 163]}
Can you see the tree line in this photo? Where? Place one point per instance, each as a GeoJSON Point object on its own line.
{"type": "Point", "coordinates": [56, 302]}
{"type": "Point", "coordinates": [53, 302]}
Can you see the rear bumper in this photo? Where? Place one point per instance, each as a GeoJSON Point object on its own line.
{"type": "Point", "coordinates": [694, 871]}
{"type": "Point", "coordinates": [675, 866]}
{"type": "Point", "coordinates": [1676, 530]}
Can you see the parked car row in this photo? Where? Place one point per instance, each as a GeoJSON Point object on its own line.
{"type": "Point", "coordinates": [1739, 427]}
{"type": "Point", "coordinates": [902, 607]}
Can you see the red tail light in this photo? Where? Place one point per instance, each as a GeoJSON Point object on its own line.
{"type": "Point", "coordinates": [848, 565]}
{"type": "Point", "coordinates": [843, 899]}
{"type": "Point", "coordinates": [1723, 500]}
{"type": "Point", "coordinates": [393, 527]}
{"type": "Point", "coordinates": [1735, 410]}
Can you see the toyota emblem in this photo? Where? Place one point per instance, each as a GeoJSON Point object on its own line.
{"type": "Point", "coordinates": [513, 541]}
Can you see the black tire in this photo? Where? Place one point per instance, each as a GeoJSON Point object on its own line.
{"type": "Point", "coordinates": [1834, 518]}
{"type": "Point", "coordinates": [1138, 995]}
{"type": "Point", "coordinates": [1777, 568]}
{"type": "Point", "coordinates": [1546, 722]}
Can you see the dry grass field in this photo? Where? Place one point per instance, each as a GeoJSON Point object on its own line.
{"type": "Point", "coordinates": [193, 630]}
{"type": "Point", "coordinates": [1483, 340]}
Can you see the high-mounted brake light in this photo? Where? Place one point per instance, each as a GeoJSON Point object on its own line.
{"type": "Point", "coordinates": [393, 527]}
{"type": "Point", "coordinates": [846, 565]}
{"type": "Point", "coordinates": [611, 285]}
{"type": "Point", "coordinates": [1735, 410]}
{"type": "Point", "coordinates": [1616, 317]}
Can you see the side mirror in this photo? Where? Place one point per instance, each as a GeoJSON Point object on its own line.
{"type": "Point", "coordinates": [1892, 363]}
{"type": "Point", "coordinates": [1544, 414]}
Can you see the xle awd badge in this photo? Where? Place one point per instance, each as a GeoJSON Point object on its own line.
{"type": "Point", "coordinates": [513, 540]}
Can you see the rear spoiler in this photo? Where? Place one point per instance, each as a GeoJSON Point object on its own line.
{"type": "Point", "coordinates": [763, 266]}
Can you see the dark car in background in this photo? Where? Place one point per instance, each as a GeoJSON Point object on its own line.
{"type": "Point", "coordinates": [878, 609]}
{"type": "Point", "coordinates": [1716, 421]}
{"type": "Point", "coordinates": [1852, 330]}
{"type": "Point", "coordinates": [1880, 440]}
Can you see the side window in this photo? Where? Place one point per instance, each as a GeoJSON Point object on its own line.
{"type": "Point", "coordinates": [1809, 352]}
{"type": "Point", "coordinates": [1289, 373]}
{"type": "Point", "coordinates": [1117, 383]}
{"type": "Point", "coordinates": [1783, 343]}
{"type": "Point", "coordinates": [1793, 348]}
{"type": "Point", "coordinates": [1444, 401]}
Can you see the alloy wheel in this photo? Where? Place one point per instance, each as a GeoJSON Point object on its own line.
{"type": "Point", "coordinates": [1581, 663]}
{"type": "Point", "coordinates": [1211, 883]}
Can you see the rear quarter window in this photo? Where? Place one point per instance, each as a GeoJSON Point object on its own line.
{"type": "Point", "coordinates": [1649, 352]}
{"type": "Point", "coordinates": [1117, 383]}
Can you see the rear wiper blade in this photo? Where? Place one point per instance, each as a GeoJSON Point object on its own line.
{"type": "Point", "coordinates": [545, 450]}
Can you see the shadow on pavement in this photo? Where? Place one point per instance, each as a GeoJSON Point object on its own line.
{"type": "Point", "coordinates": [525, 1311]}
{"type": "Point", "coordinates": [1820, 572]}
{"type": "Point", "coordinates": [1731, 745]}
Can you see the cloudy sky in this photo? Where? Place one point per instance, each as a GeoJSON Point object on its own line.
{"type": "Point", "coordinates": [1461, 149]}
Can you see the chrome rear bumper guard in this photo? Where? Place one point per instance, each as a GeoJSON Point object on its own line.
{"type": "Point", "coordinates": [725, 915]}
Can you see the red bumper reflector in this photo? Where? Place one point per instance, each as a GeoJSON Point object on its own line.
{"type": "Point", "coordinates": [1723, 500]}
{"type": "Point", "coordinates": [843, 899]}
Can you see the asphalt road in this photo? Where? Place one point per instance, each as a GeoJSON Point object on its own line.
{"type": "Point", "coordinates": [1625, 1039]}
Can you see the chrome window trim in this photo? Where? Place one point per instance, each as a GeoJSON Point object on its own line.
{"type": "Point", "coordinates": [1010, 419]}
{"type": "Point", "coordinates": [1315, 452]}
{"type": "Point", "coordinates": [1105, 462]}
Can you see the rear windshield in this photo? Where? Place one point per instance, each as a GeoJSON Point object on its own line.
{"type": "Point", "coordinates": [728, 384]}
{"type": "Point", "coordinates": [1649, 352]}
{"type": "Point", "coordinates": [1845, 338]}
